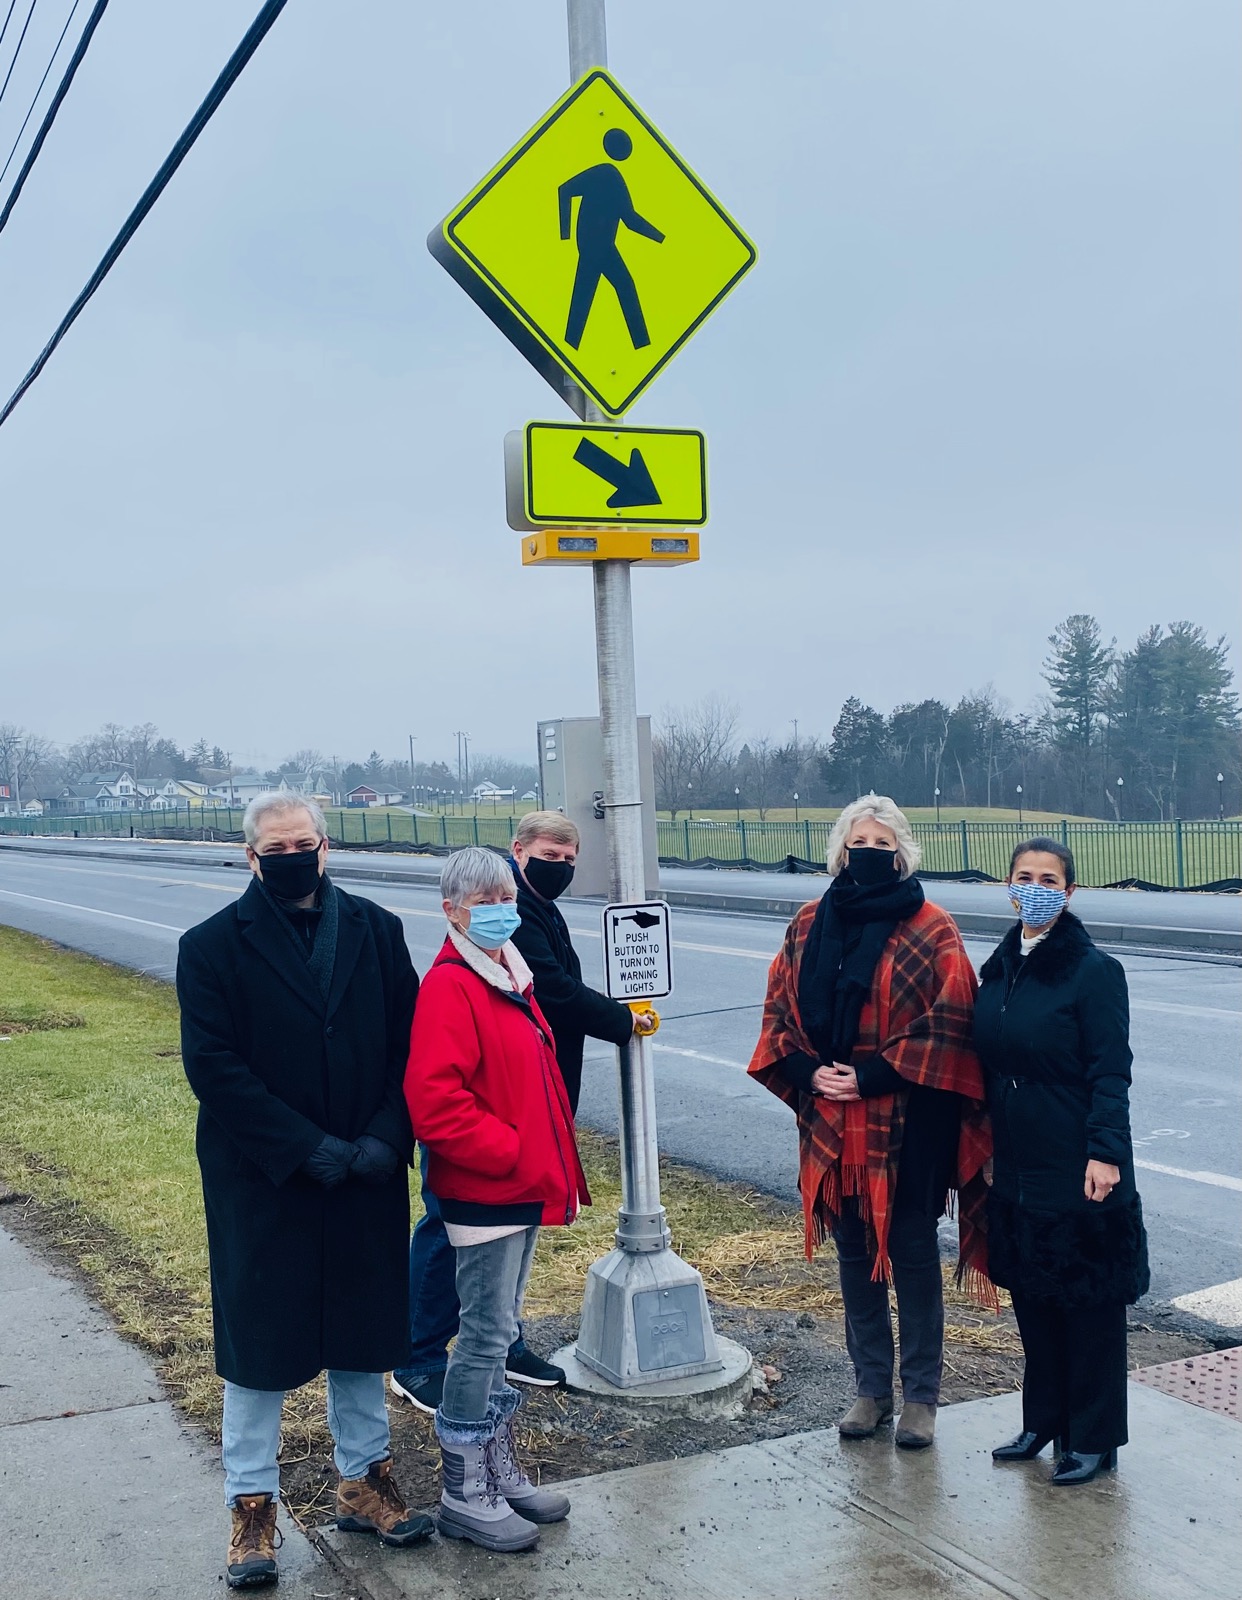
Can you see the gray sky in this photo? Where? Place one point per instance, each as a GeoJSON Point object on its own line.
{"type": "Point", "coordinates": [985, 373]}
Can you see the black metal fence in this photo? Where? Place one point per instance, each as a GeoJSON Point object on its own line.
{"type": "Point", "coordinates": [1161, 855]}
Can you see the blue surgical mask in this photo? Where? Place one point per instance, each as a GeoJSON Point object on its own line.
{"type": "Point", "coordinates": [1036, 903]}
{"type": "Point", "coordinates": [493, 925]}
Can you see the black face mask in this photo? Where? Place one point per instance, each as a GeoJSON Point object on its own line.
{"type": "Point", "coordinates": [292, 876]}
{"type": "Point", "coordinates": [548, 878]}
{"type": "Point", "coordinates": [872, 869]}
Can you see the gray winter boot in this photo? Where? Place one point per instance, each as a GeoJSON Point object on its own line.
{"type": "Point", "coordinates": [865, 1416]}
{"type": "Point", "coordinates": [471, 1506]}
{"type": "Point", "coordinates": [536, 1505]}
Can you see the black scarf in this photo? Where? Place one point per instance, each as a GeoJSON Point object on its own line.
{"type": "Point", "coordinates": [321, 957]}
{"type": "Point", "coordinates": [851, 928]}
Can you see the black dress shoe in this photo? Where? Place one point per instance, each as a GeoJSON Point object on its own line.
{"type": "Point", "coordinates": [1080, 1467]}
{"type": "Point", "coordinates": [1024, 1448]}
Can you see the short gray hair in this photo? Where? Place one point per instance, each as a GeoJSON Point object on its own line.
{"type": "Point", "coordinates": [883, 810]}
{"type": "Point", "coordinates": [276, 801]}
{"type": "Point", "coordinates": [475, 871]}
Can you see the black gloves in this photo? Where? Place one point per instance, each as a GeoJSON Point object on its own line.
{"type": "Point", "coordinates": [330, 1161]}
{"type": "Point", "coordinates": [373, 1159]}
{"type": "Point", "coordinates": [366, 1158]}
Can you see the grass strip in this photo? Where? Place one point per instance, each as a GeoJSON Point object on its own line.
{"type": "Point", "coordinates": [97, 1128]}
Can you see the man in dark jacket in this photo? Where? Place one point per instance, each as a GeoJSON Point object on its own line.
{"type": "Point", "coordinates": [296, 1003]}
{"type": "Point", "coordinates": [544, 854]}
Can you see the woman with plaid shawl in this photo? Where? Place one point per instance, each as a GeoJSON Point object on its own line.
{"type": "Point", "coordinates": [867, 1036]}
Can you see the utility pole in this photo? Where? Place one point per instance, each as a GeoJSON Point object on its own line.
{"type": "Point", "coordinates": [643, 1284]}
{"type": "Point", "coordinates": [413, 791]}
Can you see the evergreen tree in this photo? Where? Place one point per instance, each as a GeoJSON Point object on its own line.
{"type": "Point", "coordinates": [1077, 673]}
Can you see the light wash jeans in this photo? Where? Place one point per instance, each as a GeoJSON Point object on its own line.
{"type": "Point", "coordinates": [491, 1283]}
{"type": "Point", "coordinates": [357, 1417]}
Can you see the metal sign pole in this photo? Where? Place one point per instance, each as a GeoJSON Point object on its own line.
{"type": "Point", "coordinates": [642, 1225]}
{"type": "Point", "coordinates": [645, 1315]}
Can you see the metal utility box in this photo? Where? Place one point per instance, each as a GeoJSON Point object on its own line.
{"type": "Point", "coordinates": [571, 779]}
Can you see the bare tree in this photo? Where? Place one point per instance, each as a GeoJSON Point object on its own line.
{"type": "Point", "coordinates": [24, 757]}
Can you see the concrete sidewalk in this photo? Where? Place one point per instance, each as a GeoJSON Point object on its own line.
{"type": "Point", "coordinates": [806, 1518]}
{"type": "Point", "coordinates": [106, 1497]}
{"type": "Point", "coordinates": [103, 1494]}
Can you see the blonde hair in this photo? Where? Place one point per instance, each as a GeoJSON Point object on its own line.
{"type": "Point", "coordinates": [883, 810]}
{"type": "Point", "coordinates": [552, 825]}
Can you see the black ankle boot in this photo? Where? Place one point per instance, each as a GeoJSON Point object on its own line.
{"type": "Point", "coordinates": [1078, 1466]}
{"type": "Point", "coordinates": [1024, 1448]}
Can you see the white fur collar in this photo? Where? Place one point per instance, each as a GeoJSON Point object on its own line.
{"type": "Point", "coordinates": [510, 973]}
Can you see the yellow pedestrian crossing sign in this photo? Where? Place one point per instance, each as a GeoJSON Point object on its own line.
{"type": "Point", "coordinates": [594, 247]}
{"type": "Point", "coordinates": [572, 475]}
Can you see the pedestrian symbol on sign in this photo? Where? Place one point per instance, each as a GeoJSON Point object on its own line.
{"type": "Point", "coordinates": [604, 203]}
{"type": "Point", "coordinates": [594, 247]}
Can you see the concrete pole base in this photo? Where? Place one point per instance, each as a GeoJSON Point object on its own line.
{"type": "Point", "coordinates": [645, 1320]}
{"type": "Point", "coordinates": [715, 1395]}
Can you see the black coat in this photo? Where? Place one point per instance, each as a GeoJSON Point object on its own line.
{"type": "Point", "coordinates": [302, 1278]}
{"type": "Point", "coordinates": [1052, 1031]}
{"type": "Point", "coordinates": [572, 1008]}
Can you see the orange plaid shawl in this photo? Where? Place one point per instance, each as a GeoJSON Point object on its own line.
{"type": "Point", "coordinates": [918, 1017]}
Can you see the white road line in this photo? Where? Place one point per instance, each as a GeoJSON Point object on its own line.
{"type": "Point", "coordinates": [700, 1055]}
{"type": "Point", "coordinates": [1175, 1010]}
{"type": "Point", "coordinates": [156, 878]}
{"type": "Point", "coordinates": [1218, 1180]}
{"type": "Point", "coordinates": [1221, 1302]}
{"type": "Point", "coordinates": [94, 911]}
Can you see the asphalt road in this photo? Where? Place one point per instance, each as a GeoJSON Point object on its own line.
{"type": "Point", "coordinates": [1187, 1023]}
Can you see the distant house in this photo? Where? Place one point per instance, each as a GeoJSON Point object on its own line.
{"type": "Point", "coordinates": [34, 808]}
{"type": "Point", "coordinates": [364, 795]}
{"type": "Point", "coordinates": [8, 806]}
{"type": "Point", "coordinates": [241, 788]}
{"type": "Point", "coordinates": [100, 791]}
{"type": "Point", "coordinates": [178, 793]}
{"type": "Point", "coordinates": [490, 791]}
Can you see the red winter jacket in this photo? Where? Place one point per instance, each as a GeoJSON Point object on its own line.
{"type": "Point", "coordinates": [486, 1097]}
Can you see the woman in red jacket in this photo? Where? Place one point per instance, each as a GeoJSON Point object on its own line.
{"type": "Point", "coordinates": [488, 1103]}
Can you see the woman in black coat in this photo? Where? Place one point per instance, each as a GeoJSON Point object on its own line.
{"type": "Point", "coordinates": [1065, 1224]}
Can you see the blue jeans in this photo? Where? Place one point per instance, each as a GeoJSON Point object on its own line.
{"type": "Point", "coordinates": [434, 1306]}
{"type": "Point", "coordinates": [491, 1280]}
{"type": "Point", "coordinates": [357, 1417]}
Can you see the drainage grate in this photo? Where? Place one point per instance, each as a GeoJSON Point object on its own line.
{"type": "Point", "coordinates": [1210, 1381]}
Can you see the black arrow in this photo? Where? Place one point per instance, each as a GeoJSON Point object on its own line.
{"type": "Point", "coordinates": [633, 484]}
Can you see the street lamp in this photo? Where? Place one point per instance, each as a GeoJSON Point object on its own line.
{"type": "Point", "coordinates": [937, 794]}
{"type": "Point", "coordinates": [737, 804]}
{"type": "Point", "coordinates": [1220, 794]}
{"type": "Point", "coordinates": [1121, 783]}
{"type": "Point", "coordinates": [1019, 805]}
{"type": "Point", "coordinates": [795, 805]}
{"type": "Point", "coordinates": [690, 798]}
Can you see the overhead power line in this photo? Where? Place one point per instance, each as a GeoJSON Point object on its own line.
{"type": "Point", "coordinates": [75, 62]}
{"type": "Point", "coordinates": [8, 14]}
{"type": "Point", "coordinates": [21, 39]}
{"type": "Point", "coordinates": [35, 100]}
{"type": "Point", "coordinates": [236, 64]}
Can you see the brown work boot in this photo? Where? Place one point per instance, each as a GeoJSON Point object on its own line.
{"type": "Point", "coordinates": [865, 1416]}
{"type": "Point", "coordinates": [917, 1426]}
{"type": "Point", "coordinates": [374, 1504]}
{"type": "Point", "coordinates": [252, 1547]}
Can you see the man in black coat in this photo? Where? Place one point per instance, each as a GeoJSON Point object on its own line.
{"type": "Point", "coordinates": [544, 854]}
{"type": "Point", "coordinates": [296, 1004]}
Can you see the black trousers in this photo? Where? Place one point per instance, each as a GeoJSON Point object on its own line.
{"type": "Point", "coordinates": [1074, 1386]}
{"type": "Point", "coordinates": [914, 1250]}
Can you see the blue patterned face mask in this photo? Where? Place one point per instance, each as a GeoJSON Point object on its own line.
{"type": "Point", "coordinates": [1037, 904]}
